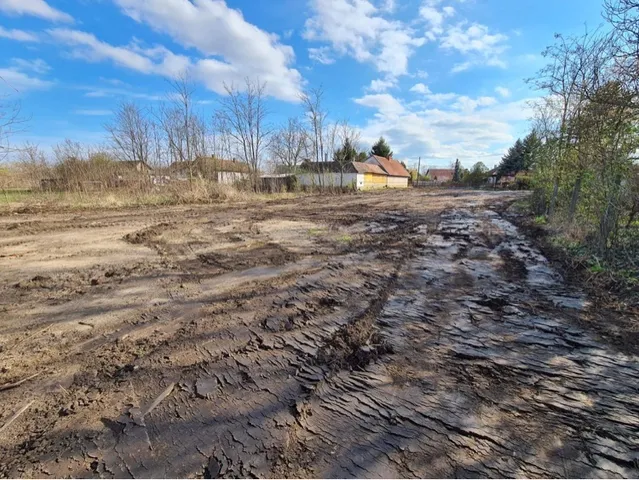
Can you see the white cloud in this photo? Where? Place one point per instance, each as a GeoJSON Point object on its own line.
{"type": "Point", "coordinates": [321, 55]}
{"type": "Point", "coordinates": [474, 39]}
{"type": "Point", "coordinates": [35, 8]}
{"type": "Point", "coordinates": [359, 29]}
{"type": "Point", "coordinates": [385, 103]}
{"type": "Point", "coordinates": [215, 30]}
{"type": "Point", "coordinates": [420, 88]}
{"type": "Point", "coordinates": [446, 131]}
{"type": "Point", "coordinates": [93, 113]}
{"type": "Point", "coordinates": [13, 79]}
{"type": "Point", "coordinates": [99, 92]}
{"type": "Point", "coordinates": [38, 65]}
{"type": "Point", "coordinates": [382, 84]}
{"type": "Point", "coordinates": [88, 47]}
{"type": "Point", "coordinates": [18, 35]}
{"type": "Point", "coordinates": [461, 67]}
{"type": "Point", "coordinates": [502, 92]}
{"type": "Point", "coordinates": [468, 105]}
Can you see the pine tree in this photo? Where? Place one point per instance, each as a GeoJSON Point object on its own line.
{"type": "Point", "coordinates": [513, 161]}
{"type": "Point", "coordinates": [457, 175]}
{"type": "Point", "coordinates": [382, 149]}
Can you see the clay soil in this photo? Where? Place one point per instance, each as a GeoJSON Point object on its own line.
{"type": "Point", "coordinates": [388, 334]}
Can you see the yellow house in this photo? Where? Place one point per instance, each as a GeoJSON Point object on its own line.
{"type": "Point", "coordinates": [370, 176]}
{"type": "Point", "coordinates": [396, 175]}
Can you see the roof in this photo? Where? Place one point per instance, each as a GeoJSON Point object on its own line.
{"type": "Point", "coordinates": [441, 172]}
{"type": "Point", "coordinates": [212, 164]}
{"type": "Point", "coordinates": [368, 168]}
{"type": "Point", "coordinates": [392, 166]}
{"type": "Point", "coordinates": [221, 165]}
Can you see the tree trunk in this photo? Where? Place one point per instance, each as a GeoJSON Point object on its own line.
{"type": "Point", "coordinates": [574, 201]}
{"type": "Point", "coordinates": [609, 218]}
{"type": "Point", "coordinates": [553, 198]}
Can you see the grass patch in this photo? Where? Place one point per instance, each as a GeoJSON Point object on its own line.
{"type": "Point", "coordinates": [316, 232]}
{"type": "Point", "coordinates": [345, 238]}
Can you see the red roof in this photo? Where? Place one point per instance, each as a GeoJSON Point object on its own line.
{"type": "Point", "coordinates": [440, 173]}
{"type": "Point", "coordinates": [392, 166]}
{"type": "Point", "coordinates": [368, 168]}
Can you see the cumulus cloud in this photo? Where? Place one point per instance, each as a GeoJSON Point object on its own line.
{"type": "Point", "coordinates": [382, 84]}
{"type": "Point", "coordinates": [18, 35]}
{"type": "Point", "coordinates": [476, 41]}
{"type": "Point", "coordinates": [35, 8]}
{"type": "Point", "coordinates": [444, 126]}
{"type": "Point", "coordinates": [420, 88]}
{"type": "Point", "coordinates": [386, 104]}
{"type": "Point", "coordinates": [240, 48]}
{"type": "Point", "coordinates": [361, 30]}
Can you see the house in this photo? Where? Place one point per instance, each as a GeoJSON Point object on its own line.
{"type": "Point", "coordinates": [357, 175]}
{"type": "Point", "coordinates": [128, 166]}
{"type": "Point", "coordinates": [211, 168]}
{"type": "Point", "coordinates": [441, 175]}
{"type": "Point", "coordinates": [509, 178]}
{"type": "Point", "coordinates": [397, 175]}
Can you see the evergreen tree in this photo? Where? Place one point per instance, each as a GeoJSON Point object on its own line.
{"type": "Point", "coordinates": [457, 175]}
{"type": "Point", "coordinates": [531, 148]}
{"type": "Point", "coordinates": [343, 156]}
{"type": "Point", "coordinates": [513, 161]}
{"type": "Point", "coordinates": [382, 149]}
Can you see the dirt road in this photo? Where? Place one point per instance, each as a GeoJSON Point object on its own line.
{"type": "Point", "coordinates": [394, 334]}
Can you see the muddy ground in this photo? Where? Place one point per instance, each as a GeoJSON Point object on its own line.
{"type": "Point", "coordinates": [390, 334]}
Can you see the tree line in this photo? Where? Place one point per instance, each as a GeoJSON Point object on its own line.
{"type": "Point", "coordinates": [181, 130]}
{"type": "Point", "coordinates": [582, 150]}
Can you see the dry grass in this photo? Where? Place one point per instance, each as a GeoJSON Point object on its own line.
{"type": "Point", "coordinates": [197, 192]}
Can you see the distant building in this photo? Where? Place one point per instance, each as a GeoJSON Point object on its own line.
{"type": "Point", "coordinates": [358, 175]}
{"type": "Point", "coordinates": [441, 175]}
{"type": "Point", "coordinates": [139, 166]}
{"type": "Point", "coordinates": [397, 175]}
{"type": "Point", "coordinates": [211, 168]}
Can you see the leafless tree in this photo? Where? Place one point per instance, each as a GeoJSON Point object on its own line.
{"type": "Point", "coordinates": [289, 145]}
{"type": "Point", "coordinates": [242, 115]}
{"type": "Point", "coordinates": [11, 122]}
{"type": "Point", "coordinates": [348, 139]}
{"type": "Point", "coordinates": [131, 133]}
{"type": "Point", "coordinates": [316, 117]}
{"type": "Point", "coordinates": [184, 130]}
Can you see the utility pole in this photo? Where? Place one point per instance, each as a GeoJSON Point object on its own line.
{"type": "Point", "coordinates": [419, 165]}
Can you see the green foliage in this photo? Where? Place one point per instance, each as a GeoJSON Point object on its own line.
{"type": "Point", "coordinates": [382, 149]}
{"type": "Point", "coordinates": [346, 154]}
{"type": "Point", "coordinates": [476, 176]}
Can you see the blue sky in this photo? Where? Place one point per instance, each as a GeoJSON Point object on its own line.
{"type": "Point", "coordinates": [440, 79]}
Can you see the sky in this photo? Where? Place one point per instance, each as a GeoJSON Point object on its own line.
{"type": "Point", "coordinates": [439, 79]}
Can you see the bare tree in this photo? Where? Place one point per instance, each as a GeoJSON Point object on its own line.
{"type": "Point", "coordinates": [289, 145]}
{"type": "Point", "coordinates": [10, 123]}
{"type": "Point", "coordinates": [348, 138]}
{"type": "Point", "coordinates": [131, 133]}
{"type": "Point", "coordinates": [185, 131]}
{"type": "Point", "coordinates": [242, 116]}
{"type": "Point", "coordinates": [316, 117]}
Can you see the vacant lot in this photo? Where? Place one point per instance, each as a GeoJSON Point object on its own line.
{"type": "Point", "coordinates": [392, 334]}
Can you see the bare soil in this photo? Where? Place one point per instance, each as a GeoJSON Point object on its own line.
{"type": "Point", "coordinates": [389, 334]}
